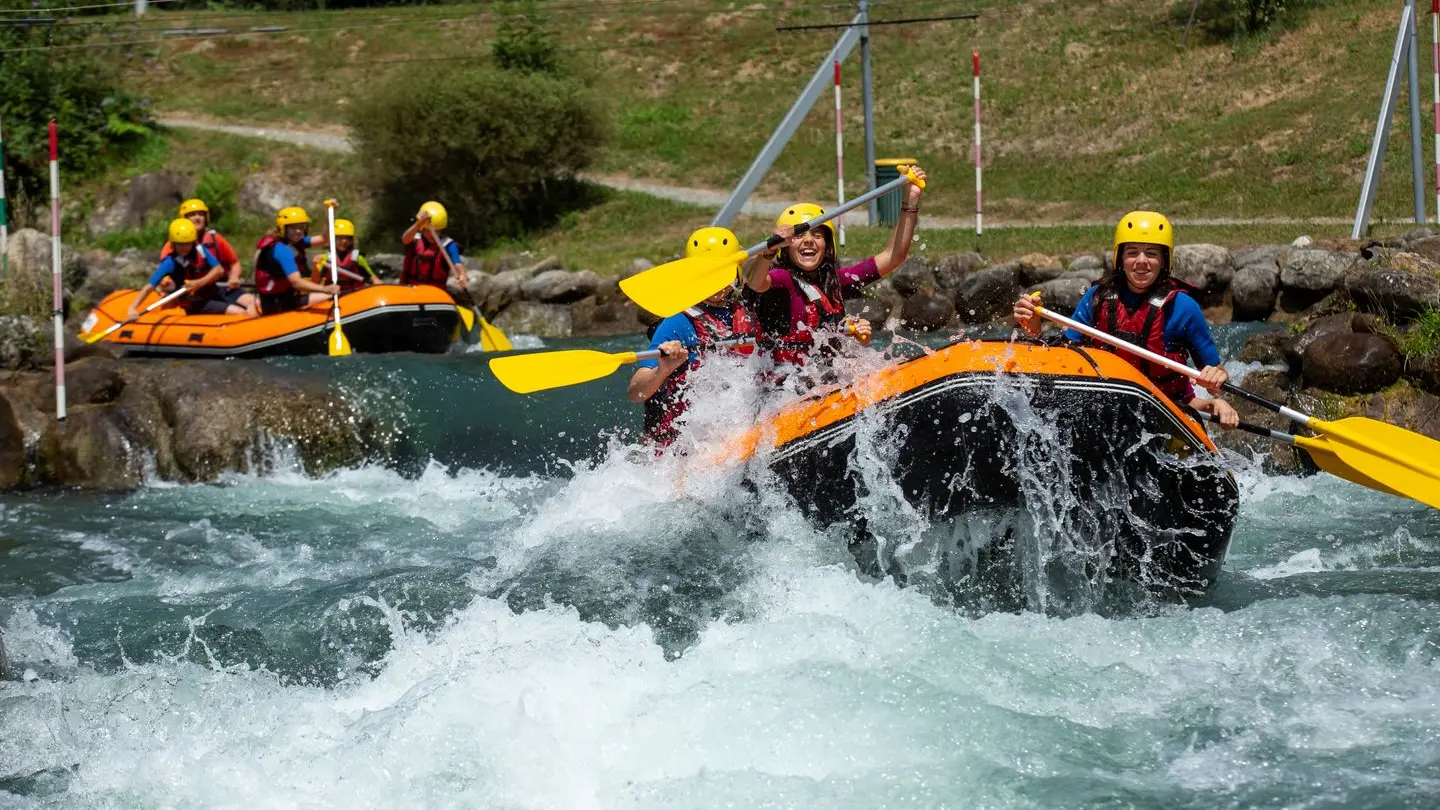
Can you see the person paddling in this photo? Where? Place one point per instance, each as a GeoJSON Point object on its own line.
{"type": "Point", "coordinates": [1138, 301]}
{"type": "Point", "coordinates": [797, 293]}
{"type": "Point", "coordinates": [280, 260]}
{"type": "Point", "coordinates": [191, 266]}
{"type": "Point", "coordinates": [424, 262]}
{"type": "Point", "coordinates": [198, 213]}
{"type": "Point", "coordinates": [684, 340]}
{"type": "Point", "coordinates": [352, 269]}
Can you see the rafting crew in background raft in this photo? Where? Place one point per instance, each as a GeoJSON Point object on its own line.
{"type": "Point", "coordinates": [797, 294]}
{"type": "Point", "coordinates": [684, 339]}
{"type": "Point", "coordinates": [1140, 302]}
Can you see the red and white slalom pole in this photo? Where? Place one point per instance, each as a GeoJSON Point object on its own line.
{"type": "Point", "coordinates": [840, 155]}
{"type": "Point", "coordinates": [55, 271]}
{"type": "Point", "coordinates": [979, 228]}
{"type": "Point", "coordinates": [1435, 76]}
{"type": "Point", "coordinates": [4, 215]}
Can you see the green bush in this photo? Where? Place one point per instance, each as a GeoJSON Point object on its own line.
{"type": "Point", "coordinates": [499, 148]}
{"type": "Point", "coordinates": [98, 123]}
{"type": "Point", "coordinates": [522, 39]}
{"type": "Point", "coordinates": [1223, 19]}
{"type": "Point", "coordinates": [219, 190]}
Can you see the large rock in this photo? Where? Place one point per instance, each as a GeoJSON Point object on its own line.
{"type": "Point", "coordinates": [186, 420]}
{"type": "Point", "coordinates": [1314, 271]}
{"type": "Point", "coordinates": [913, 276]}
{"type": "Point", "coordinates": [1429, 247]}
{"type": "Point", "coordinates": [1265, 254]}
{"type": "Point", "coordinates": [927, 312]}
{"type": "Point", "coordinates": [1206, 267]}
{"type": "Point", "coordinates": [546, 321]}
{"type": "Point", "coordinates": [1395, 294]}
{"type": "Point", "coordinates": [1354, 363]}
{"type": "Point", "coordinates": [1252, 291]}
{"type": "Point", "coordinates": [157, 192]}
{"type": "Point", "coordinates": [389, 265]}
{"type": "Point", "coordinates": [873, 309]}
{"type": "Point", "coordinates": [263, 197]}
{"type": "Point", "coordinates": [987, 294]}
{"type": "Point", "coordinates": [25, 341]}
{"type": "Point", "coordinates": [1268, 348]}
{"type": "Point", "coordinates": [591, 318]}
{"type": "Point", "coordinates": [952, 270]}
{"type": "Point", "coordinates": [1062, 294]}
{"type": "Point", "coordinates": [1087, 263]}
{"type": "Point", "coordinates": [1336, 324]}
{"type": "Point", "coordinates": [12, 446]}
{"type": "Point", "coordinates": [126, 270]}
{"type": "Point", "coordinates": [1038, 268]}
{"type": "Point", "coordinates": [29, 288]}
{"type": "Point", "coordinates": [560, 286]}
{"type": "Point", "coordinates": [1089, 274]}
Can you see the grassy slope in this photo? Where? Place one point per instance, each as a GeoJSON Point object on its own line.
{"type": "Point", "coordinates": [1091, 107]}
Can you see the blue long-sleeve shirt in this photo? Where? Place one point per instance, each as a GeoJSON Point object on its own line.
{"type": "Point", "coordinates": [1185, 325]}
{"type": "Point", "coordinates": [680, 327]}
{"type": "Point", "coordinates": [169, 267]}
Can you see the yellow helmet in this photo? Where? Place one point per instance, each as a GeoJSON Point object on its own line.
{"type": "Point", "coordinates": [291, 215]}
{"type": "Point", "coordinates": [1144, 227]}
{"type": "Point", "coordinates": [710, 239]}
{"type": "Point", "coordinates": [439, 218]}
{"type": "Point", "coordinates": [191, 206]}
{"type": "Point", "coordinates": [182, 231]}
{"type": "Point", "coordinates": [344, 227]}
{"type": "Point", "coordinates": [804, 212]}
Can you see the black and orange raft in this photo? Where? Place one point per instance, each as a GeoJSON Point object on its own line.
{"type": "Point", "coordinates": [1015, 466]}
{"type": "Point", "coordinates": [382, 318]}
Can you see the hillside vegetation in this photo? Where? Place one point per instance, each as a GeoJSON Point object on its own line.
{"type": "Point", "coordinates": [1090, 108]}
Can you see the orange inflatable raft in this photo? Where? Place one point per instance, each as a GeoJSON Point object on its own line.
{"type": "Point", "coordinates": [382, 318]}
{"type": "Point", "coordinates": [1066, 458]}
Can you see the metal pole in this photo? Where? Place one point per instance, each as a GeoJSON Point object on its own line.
{"type": "Point", "coordinates": [5, 216]}
{"type": "Point", "coordinates": [1435, 79]}
{"type": "Point", "coordinates": [55, 273]}
{"type": "Point", "coordinates": [140, 8]}
{"type": "Point", "coordinates": [1382, 127]}
{"type": "Point", "coordinates": [1417, 153]}
{"type": "Point", "coordinates": [840, 155]}
{"type": "Point", "coordinates": [978, 195]}
{"type": "Point", "coordinates": [868, 97]}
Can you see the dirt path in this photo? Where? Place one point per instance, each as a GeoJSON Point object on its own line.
{"type": "Point", "coordinates": [712, 198]}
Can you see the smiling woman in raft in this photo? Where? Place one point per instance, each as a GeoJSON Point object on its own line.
{"type": "Point", "coordinates": [797, 293]}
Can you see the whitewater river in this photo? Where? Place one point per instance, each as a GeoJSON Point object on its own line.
{"type": "Point", "coordinates": [519, 613]}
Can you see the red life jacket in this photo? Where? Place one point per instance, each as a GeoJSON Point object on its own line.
{"type": "Point", "coordinates": [820, 312]}
{"type": "Point", "coordinates": [424, 263]}
{"type": "Point", "coordinates": [352, 276]}
{"type": "Point", "coordinates": [270, 277]}
{"type": "Point", "coordinates": [1145, 326]}
{"type": "Point", "coordinates": [191, 267]}
{"type": "Point", "coordinates": [664, 408]}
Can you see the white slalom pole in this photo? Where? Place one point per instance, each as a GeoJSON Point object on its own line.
{"type": "Point", "coordinates": [840, 155]}
{"type": "Point", "coordinates": [4, 214]}
{"type": "Point", "coordinates": [55, 272]}
{"type": "Point", "coordinates": [1435, 82]}
{"type": "Point", "coordinates": [979, 228]}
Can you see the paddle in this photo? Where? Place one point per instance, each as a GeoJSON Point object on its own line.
{"type": "Point", "coordinates": [1389, 458]}
{"type": "Point", "coordinates": [541, 371]}
{"type": "Point", "coordinates": [1326, 454]}
{"type": "Point", "coordinates": [491, 338]}
{"type": "Point", "coordinates": [339, 344]}
{"type": "Point", "coordinates": [111, 329]}
{"type": "Point", "coordinates": [676, 286]}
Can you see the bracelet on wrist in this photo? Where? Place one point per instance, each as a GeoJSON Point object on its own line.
{"type": "Point", "coordinates": [913, 209]}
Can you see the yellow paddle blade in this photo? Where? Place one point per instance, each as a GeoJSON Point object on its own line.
{"type": "Point", "coordinates": [683, 283]}
{"type": "Point", "coordinates": [339, 344]}
{"type": "Point", "coordinates": [527, 373]}
{"type": "Point", "coordinates": [1378, 455]}
{"type": "Point", "coordinates": [492, 339]}
{"type": "Point", "coordinates": [467, 317]}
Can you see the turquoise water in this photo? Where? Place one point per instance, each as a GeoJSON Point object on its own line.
{"type": "Point", "coordinates": [516, 611]}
